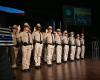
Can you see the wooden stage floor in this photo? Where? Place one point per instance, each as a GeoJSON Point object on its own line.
{"type": "Point", "coordinates": [88, 69]}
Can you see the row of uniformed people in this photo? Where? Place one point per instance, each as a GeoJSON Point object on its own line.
{"type": "Point", "coordinates": [51, 45]}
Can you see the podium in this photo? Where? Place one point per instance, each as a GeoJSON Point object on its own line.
{"type": "Point", "coordinates": [6, 41]}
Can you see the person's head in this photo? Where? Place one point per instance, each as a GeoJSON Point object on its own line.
{"type": "Point", "coordinates": [38, 27]}
{"type": "Point", "coordinates": [72, 34]}
{"type": "Point", "coordinates": [14, 28]}
{"type": "Point", "coordinates": [77, 36]}
{"type": "Point", "coordinates": [65, 33]}
{"type": "Point", "coordinates": [58, 31]}
{"type": "Point", "coordinates": [54, 33]}
{"type": "Point", "coordinates": [82, 35]}
{"type": "Point", "coordinates": [26, 27]}
{"type": "Point", "coordinates": [50, 29]}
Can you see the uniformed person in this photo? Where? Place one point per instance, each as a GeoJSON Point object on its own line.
{"type": "Point", "coordinates": [44, 47]}
{"type": "Point", "coordinates": [72, 46]}
{"type": "Point", "coordinates": [58, 41]}
{"type": "Point", "coordinates": [65, 41]}
{"type": "Point", "coordinates": [82, 46]}
{"type": "Point", "coordinates": [38, 44]}
{"type": "Point", "coordinates": [15, 48]}
{"type": "Point", "coordinates": [26, 39]}
{"type": "Point", "coordinates": [50, 45]}
{"type": "Point", "coordinates": [54, 50]}
{"type": "Point", "coordinates": [19, 56]}
{"type": "Point", "coordinates": [78, 46]}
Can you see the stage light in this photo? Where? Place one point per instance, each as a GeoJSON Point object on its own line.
{"type": "Point", "coordinates": [11, 10]}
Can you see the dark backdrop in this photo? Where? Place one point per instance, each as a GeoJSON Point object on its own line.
{"type": "Point", "coordinates": [45, 11]}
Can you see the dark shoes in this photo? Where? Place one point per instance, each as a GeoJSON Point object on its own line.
{"type": "Point", "coordinates": [26, 70]}
{"type": "Point", "coordinates": [58, 63]}
{"type": "Point", "coordinates": [49, 65]}
{"type": "Point", "coordinates": [37, 67]}
{"type": "Point", "coordinates": [71, 60]}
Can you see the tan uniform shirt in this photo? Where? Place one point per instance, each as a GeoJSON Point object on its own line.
{"type": "Point", "coordinates": [37, 36]}
{"type": "Point", "coordinates": [82, 41]}
{"type": "Point", "coordinates": [15, 37]}
{"type": "Point", "coordinates": [58, 39]}
{"type": "Point", "coordinates": [78, 43]}
{"type": "Point", "coordinates": [24, 37]}
{"type": "Point", "coordinates": [72, 40]}
{"type": "Point", "coordinates": [44, 37]}
{"type": "Point", "coordinates": [65, 40]}
{"type": "Point", "coordinates": [49, 38]}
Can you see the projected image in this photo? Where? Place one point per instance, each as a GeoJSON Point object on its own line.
{"type": "Point", "coordinates": [82, 16]}
{"type": "Point", "coordinates": [68, 15]}
{"type": "Point", "coordinates": [76, 16]}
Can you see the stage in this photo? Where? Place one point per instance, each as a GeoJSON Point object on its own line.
{"type": "Point", "coordinates": [87, 69]}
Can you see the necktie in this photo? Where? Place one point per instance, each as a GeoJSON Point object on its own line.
{"type": "Point", "coordinates": [28, 37]}
{"type": "Point", "coordinates": [52, 38]}
{"type": "Point", "coordinates": [40, 37]}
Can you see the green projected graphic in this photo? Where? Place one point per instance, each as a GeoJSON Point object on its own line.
{"type": "Point", "coordinates": [76, 16]}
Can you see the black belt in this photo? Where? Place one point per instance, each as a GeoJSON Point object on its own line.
{"type": "Point", "coordinates": [58, 44]}
{"type": "Point", "coordinates": [78, 46]}
{"type": "Point", "coordinates": [82, 44]}
{"type": "Point", "coordinates": [66, 44]}
{"type": "Point", "coordinates": [72, 45]}
{"type": "Point", "coordinates": [50, 43]}
{"type": "Point", "coordinates": [38, 42]}
{"type": "Point", "coordinates": [26, 44]}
